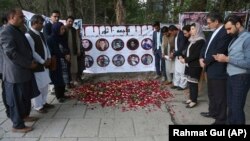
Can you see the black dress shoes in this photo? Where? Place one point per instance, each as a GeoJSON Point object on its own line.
{"type": "Point", "coordinates": [206, 114]}
{"type": "Point", "coordinates": [218, 123]}
{"type": "Point", "coordinates": [174, 87]}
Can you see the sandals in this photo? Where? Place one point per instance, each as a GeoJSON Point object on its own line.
{"type": "Point", "coordinates": [187, 102]}
{"type": "Point", "coordinates": [191, 105]}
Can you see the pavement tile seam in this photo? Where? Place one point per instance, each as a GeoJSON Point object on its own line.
{"type": "Point", "coordinates": [99, 127]}
{"type": "Point", "coordinates": [133, 124]}
{"type": "Point", "coordinates": [64, 127]}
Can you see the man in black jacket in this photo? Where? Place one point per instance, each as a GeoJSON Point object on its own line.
{"type": "Point", "coordinates": [216, 71]}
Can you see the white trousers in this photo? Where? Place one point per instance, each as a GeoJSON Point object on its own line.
{"type": "Point", "coordinates": [40, 100]}
{"type": "Point", "coordinates": [179, 78]}
{"type": "Point", "coordinates": [169, 66]}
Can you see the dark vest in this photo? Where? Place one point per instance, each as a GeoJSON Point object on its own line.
{"type": "Point", "coordinates": [74, 44]}
{"type": "Point", "coordinates": [38, 48]}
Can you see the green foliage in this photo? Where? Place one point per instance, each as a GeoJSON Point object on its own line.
{"type": "Point", "coordinates": [136, 11]}
{"type": "Point", "coordinates": [5, 5]}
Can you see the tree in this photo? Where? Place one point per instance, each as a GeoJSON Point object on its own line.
{"type": "Point", "coordinates": [124, 11]}
{"type": "Point", "coordinates": [71, 8]}
{"type": "Point", "coordinates": [120, 12]}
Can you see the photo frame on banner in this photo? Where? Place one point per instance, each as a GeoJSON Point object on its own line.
{"type": "Point", "coordinates": [88, 61]}
{"type": "Point", "coordinates": [87, 44]}
{"type": "Point", "coordinates": [118, 60]}
{"type": "Point", "coordinates": [133, 59]}
{"type": "Point", "coordinates": [189, 17]}
{"type": "Point", "coordinates": [147, 59]}
{"type": "Point", "coordinates": [117, 44]}
{"type": "Point", "coordinates": [102, 44]}
{"type": "Point", "coordinates": [103, 60]}
{"type": "Point", "coordinates": [147, 43]}
{"type": "Point", "coordinates": [132, 44]}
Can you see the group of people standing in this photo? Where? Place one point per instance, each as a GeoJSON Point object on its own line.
{"type": "Point", "coordinates": [31, 61]}
{"type": "Point", "coordinates": [182, 55]}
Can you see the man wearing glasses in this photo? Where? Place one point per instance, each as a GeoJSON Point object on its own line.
{"type": "Point", "coordinates": [41, 54]}
{"type": "Point", "coordinates": [216, 71]}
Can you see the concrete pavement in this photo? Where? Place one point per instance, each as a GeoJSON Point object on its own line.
{"type": "Point", "coordinates": [75, 121]}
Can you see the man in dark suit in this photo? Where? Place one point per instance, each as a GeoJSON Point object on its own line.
{"type": "Point", "coordinates": [238, 69]}
{"type": "Point", "coordinates": [47, 30]}
{"type": "Point", "coordinates": [157, 41]}
{"type": "Point", "coordinates": [54, 17]}
{"type": "Point", "coordinates": [216, 71]}
{"type": "Point", "coordinates": [17, 75]}
{"type": "Point", "coordinates": [4, 21]}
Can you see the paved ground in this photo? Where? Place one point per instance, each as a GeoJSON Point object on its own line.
{"type": "Point", "coordinates": [74, 121]}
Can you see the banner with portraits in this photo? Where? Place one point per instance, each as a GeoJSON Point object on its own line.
{"type": "Point", "coordinates": [118, 48]}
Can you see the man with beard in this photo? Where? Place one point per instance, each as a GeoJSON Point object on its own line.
{"type": "Point", "coordinates": [238, 69]}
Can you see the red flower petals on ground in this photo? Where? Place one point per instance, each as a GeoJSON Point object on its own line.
{"type": "Point", "coordinates": [127, 94]}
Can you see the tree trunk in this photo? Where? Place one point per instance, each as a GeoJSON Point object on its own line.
{"type": "Point", "coordinates": [71, 8]}
{"type": "Point", "coordinates": [47, 9]}
{"type": "Point", "coordinates": [94, 11]}
{"type": "Point", "coordinates": [164, 4]}
{"type": "Point", "coordinates": [120, 13]}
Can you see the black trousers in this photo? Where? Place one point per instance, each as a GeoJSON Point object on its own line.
{"type": "Point", "coordinates": [59, 91]}
{"type": "Point", "coordinates": [193, 90]}
{"type": "Point", "coordinates": [217, 95]}
{"type": "Point", "coordinates": [18, 99]}
{"type": "Point", "coordinates": [238, 87]}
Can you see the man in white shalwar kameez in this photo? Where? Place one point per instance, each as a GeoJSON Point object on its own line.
{"type": "Point", "coordinates": [179, 79]}
{"type": "Point", "coordinates": [42, 55]}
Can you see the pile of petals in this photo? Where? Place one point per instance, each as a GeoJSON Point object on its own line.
{"type": "Point", "coordinates": [125, 94]}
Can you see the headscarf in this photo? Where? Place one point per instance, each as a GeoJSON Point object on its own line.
{"type": "Point", "coordinates": [198, 35]}
{"type": "Point", "coordinates": [56, 33]}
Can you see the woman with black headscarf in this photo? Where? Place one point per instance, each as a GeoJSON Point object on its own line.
{"type": "Point", "coordinates": [60, 51]}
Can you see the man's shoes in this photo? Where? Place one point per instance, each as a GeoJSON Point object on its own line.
{"type": "Point", "coordinates": [42, 111]}
{"type": "Point", "coordinates": [163, 79]}
{"type": "Point", "coordinates": [217, 123]}
{"type": "Point", "coordinates": [157, 76]}
{"type": "Point", "coordinates": [180, 89]}
{"type": "Point", "coordinates": [30, 119]}
{"type": "Point", "coordinates": [61, 100]}
{"type": "Point", "coordinates": [206, 114]}
{"type": "Point", "coordinates": [174, 87]}
{"type": "Point", "coordinates": [167, 83]}
{"type": "Point", "coordinates": [48, 106]}
{"type": "Point", "coordinates": [66, 97]}
{"type": "Point", "coordinates": [187, 102]}
{"type": "Point", "coordinates": [22, 130]}
{"type": "Point", "coordinates": [191, 105]}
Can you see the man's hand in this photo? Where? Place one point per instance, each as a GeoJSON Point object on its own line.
{"type": "Point", "coordinates": [171, 56]}
{"type": "Point", "coordinates": [47, 63]}
{"type": "Point", "coordinates": [221, 58]}
{"type": "Point", "coordinates": [33, 65]}
{"type": "Point", "coordinates": [67, 57]}
{"type": "Point", "coordinates": [181, 59]}
{"type": "Point", "coordinates": [202, 64]}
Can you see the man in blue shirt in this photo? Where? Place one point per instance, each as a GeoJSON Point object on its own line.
{"type": "Point", "coordinates": [238, 69]}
